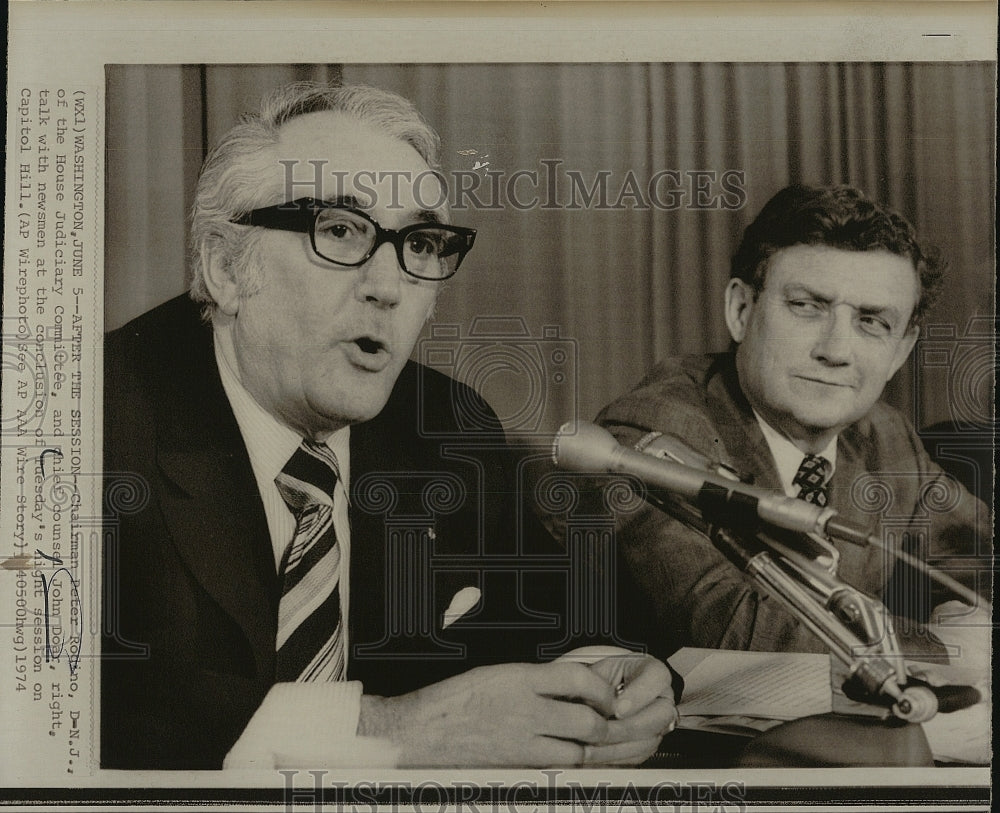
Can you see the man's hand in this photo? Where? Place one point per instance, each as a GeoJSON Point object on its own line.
{"type": "Point", "coordinates": [644, 709]}
{"type": "Point", "coordinates": [556, 714]}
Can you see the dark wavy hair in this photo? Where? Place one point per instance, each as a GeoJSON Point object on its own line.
{"type": "Point", "coordinates": [838, 217]}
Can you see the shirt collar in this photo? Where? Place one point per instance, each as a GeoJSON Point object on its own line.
{"type": "Point", "coordinates": [788, 457]}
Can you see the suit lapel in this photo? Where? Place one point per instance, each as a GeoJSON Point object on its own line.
{"type": "Point", "coordinates": [214, 514]}
{"type": "Point", "coordinates": [367, 579]}
{"type": "Point", "coordinates": [742, 438]}
{"type": "Point", "coordinates": [865, 568]}
{"type": "Point", "coordinates": [392, 444]}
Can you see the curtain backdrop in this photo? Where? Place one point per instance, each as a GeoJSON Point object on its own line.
{"type": "Point", "coordinates": [559, 310]}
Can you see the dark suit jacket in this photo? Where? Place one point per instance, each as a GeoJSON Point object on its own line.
{"type": "Point", "coordinates": [883, 479]}
{"type": "Point", "coordinates": [191, 594]}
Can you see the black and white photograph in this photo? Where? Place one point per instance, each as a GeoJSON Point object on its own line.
{"type": "Point", "coordinates": [638, 450]}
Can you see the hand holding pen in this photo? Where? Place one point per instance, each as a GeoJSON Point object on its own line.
{"type": "Point", "coordinates": [644, 704]}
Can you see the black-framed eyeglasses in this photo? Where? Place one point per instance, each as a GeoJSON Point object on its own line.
{"type": "Point", "coordinates": [346, 236]}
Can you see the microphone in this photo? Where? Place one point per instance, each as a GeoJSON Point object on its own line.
{"type": "Point", "coordinates": [716, 489]}
{"type": "Point", "coordinates": [671, 447]}
{"type": "Point", "coordinates": [589, 448]}
{"type": "Point", "coordinates": [714, 507]}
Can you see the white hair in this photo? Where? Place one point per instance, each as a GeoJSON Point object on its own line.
{"type": "Point", "coordinates": [230, 183]}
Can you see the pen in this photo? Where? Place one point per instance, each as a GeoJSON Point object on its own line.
{"type": "Point", "coordinates": [618, 679]}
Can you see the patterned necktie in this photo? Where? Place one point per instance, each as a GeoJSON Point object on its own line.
{"type": "Point", "coordinates": [310, 643]}
{"type": "Point", "coordinates": [811, 479]}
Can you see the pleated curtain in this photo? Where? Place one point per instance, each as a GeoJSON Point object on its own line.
{"type": "Point", "coordinates": [559, 310]}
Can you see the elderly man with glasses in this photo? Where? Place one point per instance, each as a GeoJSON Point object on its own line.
{"type": "Point", "coordinates": [259, 604]}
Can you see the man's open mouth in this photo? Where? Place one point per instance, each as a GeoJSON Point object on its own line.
{"type": "Point", "coordinates": [370, 345]}
{"type": "Point", "coordinates": [368, 353]}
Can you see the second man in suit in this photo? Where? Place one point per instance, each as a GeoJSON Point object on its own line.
{"type": "Point", "coordinates": [825, 301]}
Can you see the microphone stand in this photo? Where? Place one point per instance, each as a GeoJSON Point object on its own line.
{"type": "Point", "coordinates": [855, 627]}
{"type": "Point", "coordinates": [783, 544]}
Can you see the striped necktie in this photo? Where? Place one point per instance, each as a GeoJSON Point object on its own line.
{"type": "Point", "coordinates": [310, 642]}
{"type": "Point", "coordinates": [811, 478]}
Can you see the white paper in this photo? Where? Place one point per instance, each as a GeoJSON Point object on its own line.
{"type": "Point", "coordinates": [775, 685]}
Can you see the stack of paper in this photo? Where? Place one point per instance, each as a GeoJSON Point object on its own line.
{"type": "Point", "coordinates": [769, 685]}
